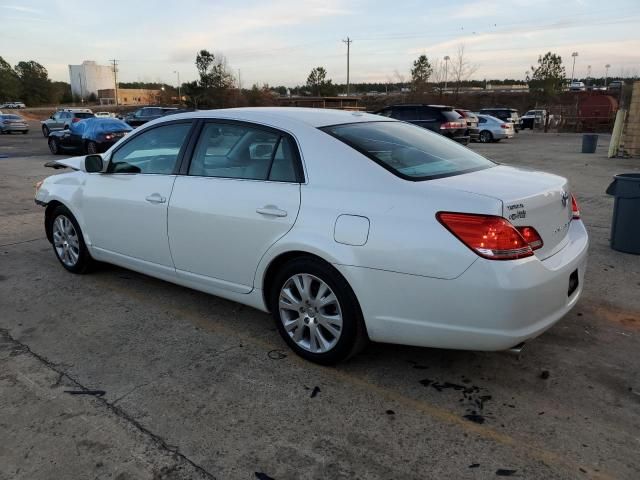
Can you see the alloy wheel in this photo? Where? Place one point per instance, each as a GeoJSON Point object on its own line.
{"type": "Point", "coordinates": [485, 137]}
{"type": "Point", "coordinates": [92, 148]}
{"type": "Point", "coordinates": [66, 241]}
{"type": "Point", "coordinates": [310, 313]}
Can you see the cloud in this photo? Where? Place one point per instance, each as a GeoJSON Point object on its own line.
{"type": "Point", "coordinates": [21, 9]}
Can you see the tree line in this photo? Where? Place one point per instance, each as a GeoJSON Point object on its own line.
{"type": "Point", "coordinates": [29, 82]}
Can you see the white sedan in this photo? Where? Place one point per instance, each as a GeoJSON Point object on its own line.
{"type": "Point", "coordinates": [345, 226]}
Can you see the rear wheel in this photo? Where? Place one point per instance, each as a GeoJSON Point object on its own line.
{"type": "Point", "coordinates": [45, 131]}
{"type": "Point", "coordinates": [67, 241]}
{"type": "Point", "coordinates": [92, 148]}
{"type": "Point", "coordinates": [486, 136]}
{"type": "Point", "coordinates": [316, 311]}
{"type": "Point", "coordinates": [54, 146]}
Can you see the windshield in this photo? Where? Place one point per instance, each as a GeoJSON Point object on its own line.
{"type": "Point", "coordinates": [409, 151]}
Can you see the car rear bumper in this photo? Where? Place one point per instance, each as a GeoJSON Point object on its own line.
{"type": "Point", "coordinates": [493, 305]}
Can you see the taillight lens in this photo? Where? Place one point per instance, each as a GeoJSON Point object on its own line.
{"type": "Point", "coordinates": [449, 125]}
{"type": "Point", "coordinates": [489, 236]}
{"type": "Point", "coordinates": [75, 119]}
{"type": "Point", "coordinates": [504, 125]}
{"type": "Point", "coordinates": [531, 236]}
{"type": "Point", "coordinates": [575, 210]}
{"type": "Point", "coordinates": [108, 136]}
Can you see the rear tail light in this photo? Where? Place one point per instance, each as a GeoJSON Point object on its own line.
{"type": "Point", "coordinates": [489, 236]}
{"type": "Point", "coordinates": [108, 136]}
{"type": "Point", "coordinates": [531, 236]}
{"type": "Point", "coordinates": [450, 125]}
{"type": "Point", "coordinates": [505, 126]}
{"type": "Point", "coordinates": [575, 209]}
{"type": "Point", "coordinates": [75, 119]}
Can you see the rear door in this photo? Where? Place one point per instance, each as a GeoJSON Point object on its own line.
{"type": "Point", "coordinates": [240, 195]}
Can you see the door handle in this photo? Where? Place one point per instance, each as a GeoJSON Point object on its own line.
{"type": "Point", "coordinates": [155, 198]}
{"type": "Point", "coordinates": [271, 211]}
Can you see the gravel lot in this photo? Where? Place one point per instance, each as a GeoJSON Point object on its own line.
{"type": "Point", "coordinates": [178, 384]}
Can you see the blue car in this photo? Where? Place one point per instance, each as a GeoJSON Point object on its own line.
{"type": "Point", "coordinates": [93, 135]}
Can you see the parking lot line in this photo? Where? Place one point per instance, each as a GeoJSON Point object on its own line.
{"type": "Point", "coordinates": [524, 445]}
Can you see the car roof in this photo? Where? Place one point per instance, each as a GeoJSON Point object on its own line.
{"type": "Point", "coordinates": [315, 117]}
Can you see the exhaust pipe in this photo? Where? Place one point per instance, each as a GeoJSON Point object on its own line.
{"type": "Point", "coordinates": [517, 349]}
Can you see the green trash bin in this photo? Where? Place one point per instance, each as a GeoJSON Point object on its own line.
{"type": "Point", "coordinates": [625, 225]}
{"type": "Point", "coordinates": [589, 143]}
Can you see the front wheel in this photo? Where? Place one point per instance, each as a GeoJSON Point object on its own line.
{"type": "Point", "coordinates": [316, 311]}
{"type": "Point", "coordinates": [67, 241]}
{"type": "Point", "coordinates": [485, 136]}
{"type": "Point", "coordinates": [54, 146]}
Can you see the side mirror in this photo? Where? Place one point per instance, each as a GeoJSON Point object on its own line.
{"type": "Point", "coordinates": [93, 164]}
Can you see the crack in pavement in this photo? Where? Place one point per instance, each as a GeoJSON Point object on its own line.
{"type": "Point", "coordinates": [155, 438]}
{"type": "Point", "coordinates": [20, 243]}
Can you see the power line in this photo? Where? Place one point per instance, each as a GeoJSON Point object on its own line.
{"type": "Point", "coordinates": [115, 77]}
{"type": "Point", "coordinates": [348, 41]}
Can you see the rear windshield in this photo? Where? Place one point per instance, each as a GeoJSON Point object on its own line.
{"type": "Point", "coordinates": [82, 115]}
{"type": "Point", "coordinates": [114, 126]}
{"type": "Point", "coordinates": [451, 115]}
{"type": "Point", "coordinates": [409, 151]}
{"type": "Point", "coordinates": [10, 117]}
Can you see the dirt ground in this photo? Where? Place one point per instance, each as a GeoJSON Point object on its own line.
{"type": "Point", "coordinates": [119, 375]}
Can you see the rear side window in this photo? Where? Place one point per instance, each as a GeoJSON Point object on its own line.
{"type": "Point", "coordinates": [244, 152]}
{"type": "Point", "coordinates": [153, 151]}
{"type": "Point", "coordinates": [409, 151]}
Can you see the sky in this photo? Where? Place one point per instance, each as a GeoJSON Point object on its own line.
{"type": "Point", "coordinates": [278, 42]}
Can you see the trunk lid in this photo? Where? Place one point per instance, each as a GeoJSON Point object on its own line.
{"type": "Point", "coordinates": [529, 198]}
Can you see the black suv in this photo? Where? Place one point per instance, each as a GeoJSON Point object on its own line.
{"type": "Point", "coordinates": [146, 114]}
{"type": "Point", "coordinates": [438, 118]}
{"type": "Point", "coordinates": [506, 115]}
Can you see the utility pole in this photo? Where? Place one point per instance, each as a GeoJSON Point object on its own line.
{"type": "Point", "coordinates": [606, 73]}
{"type": "Point", "coordinates": [348, 41]}
{"type": "Point", "coordinates": [573, 69]}
{"type": "Point", "coordinates": [179, 94]}
{"type": "Point", "coordinates": [115, 78]}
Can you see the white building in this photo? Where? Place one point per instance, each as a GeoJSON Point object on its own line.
{"type": "Point", "coordinates": [89, 77]}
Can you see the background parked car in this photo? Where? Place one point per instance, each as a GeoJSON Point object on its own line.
{"type": "Point", "coordinates": [146, 114]}
{"type": "Point", "coordinates": [93, 135]}
{"type": "Point", "coordinates": [13, 105]}
{"type": "Point", "coordinates": [104, 115]}
{"type": "Point", "coordinates": [472, 123]}
{"type": "Point", "coordinates": [494, 129]}
{"type": "Point", "coordinates": [438, 118]}
{"type": "Point", "coordinates": [506, 114]}
{"type": "Point", "coordinates": [63, 118]}
{"type": "Point", "coordinates": [577, 86]}
{"type": "Point", "coordinates": [534, 118]}
{"type": "Point", "coordinates": [12, 123]}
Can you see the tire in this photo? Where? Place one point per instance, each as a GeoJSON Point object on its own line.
{"type": "Point", "coordinates": [24, 132]}
{"type": "Point", "coordinates": [333, 341]}
{"type": "Point", "coordinates": [45, 131]}
{"type": "Point", "coordinates": [68, 243]}
{"type": "Point", "coordinates": [485, 136]}
{"type": "Point", "coordinates": [91, 148]}
{"type": "Point", "coordinates": [54, 146]}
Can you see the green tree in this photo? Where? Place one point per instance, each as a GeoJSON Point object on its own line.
{"type": "Point", "coordinates": [9, 82]}
{"type": "Point", "coordinates": [318, 84]}
{"type": "Point", "coordinates": [420, 73]}
{"type": "Point", "coordinates": [549, 76]}
{"type": "Point", "coordinates": [34, 80]}
{"type": "Point", "coordinates": [215, 80]}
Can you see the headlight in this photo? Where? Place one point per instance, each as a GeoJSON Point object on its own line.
{"type": "Point", "coordinates": [38, 185]}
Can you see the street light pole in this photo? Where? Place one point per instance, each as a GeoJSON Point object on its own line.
{"type": "Point", "coordinates": [179, 95]}
{"type": "Point", "coordinates": [348, 41]}
{"type": "Point", "coordinates": [446, 65]}
{"type": "Point", "coordinates": [606, 73]}
{"type": "Point", "coordinates": [573, 69]}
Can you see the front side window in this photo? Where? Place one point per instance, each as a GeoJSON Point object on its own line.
{"type": "Point", "coordinates": [409, 151]}
{"type": "Point", "coordinates": [153, 151]}
{"type": "Point", "coordinates": [239, 151]}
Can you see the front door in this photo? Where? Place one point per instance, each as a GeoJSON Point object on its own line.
{"type": "Point", "coordinates": [126, 207]}
{"type": "Point", "coordinates": [241, 194]}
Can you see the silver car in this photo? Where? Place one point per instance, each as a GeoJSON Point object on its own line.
{"type": "Point", "coordinates": [493, 129]}
{"type": "Point", "coordinates": [61, 119]}
{"type": "Point", "coordinates": [13, 123]}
